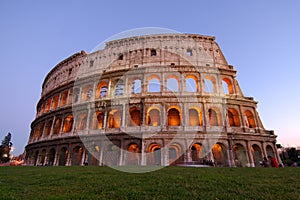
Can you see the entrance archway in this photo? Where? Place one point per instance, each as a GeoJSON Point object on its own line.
{"type": "Point", "coordinates": [220, 155]}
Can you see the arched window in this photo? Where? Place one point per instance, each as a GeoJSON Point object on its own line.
{"type": "Point", "coordinates": [76, 95]}
{"type": "Point", "coordinates": [135, 117]}
{"type": "Point", "coordinates": [209, 87]}
{"type": "Point", "coordinates": [194, 117]}
{"type": "Point", "coordinates": [250, 122]}
{"type": "Point", "coordinates": [119, 90]}
{"type": "Point", "coordinates": [173, 117]}
{"type": "Point", "coordinates": [81, 122]}
{"type": "Point", "coordinates": [240, 155]}
{"type": "Point", "coordinates": [98, 121]}
{"type": "Point", "coordinates": [48, 128]}
{"type": "Point", "coordinates": [48, 104]}
{"type": "Point", "coordinates": [55, 101]}
{"type": "Point", "coordinates": [101, 90]}
{"type": "Point", "coordinates": [227, 86]}
{"type": "Point", "coordinates": [154, 85]}
{"type": "Point", "coordinates": [191, 85]}
{"type": "Point", "coordinates": [56, 128]}
{"type": "Point", "coordinates": [63, 155]}
{"type": "Point", "coordinates": [154, 154]}
{"type": "Point", "coordinates": [136, 86]}
{"type": "Point", "coordinates": [68, 124]}
{"type": "Point", "coordinates": [77, 156]}
{"type": "Point", "coordinates": [153, 52]}
{"type": "Point", "coordinates": [172, 85]}
{"type": "Point", "coordinates": [233, 117]}
{"type": "Point", "coordinates": [196, 152]}
{"type": "Point", "coordinates": [132, 154]}
{"type": "Point", "coordinates": [87, 93]}
{"type": "Point", "coordinates": [220, 155]}
{"type": "Point", "coordinates": [153, 118]}
{"type": "Point", "coordinates": [189, 52]}
{"type": "Point", "coordinates": [114, 120]}
{"type": "Point", "coordinates": [63, 98]}
{"type": "Point", "coordinates": [213, 118]}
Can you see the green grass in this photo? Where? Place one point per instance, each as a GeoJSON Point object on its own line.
{"type": "Point", "coordinates": [168, 183]}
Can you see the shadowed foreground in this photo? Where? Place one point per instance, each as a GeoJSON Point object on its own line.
{"type": "Point", "coordinates": [169, 183]}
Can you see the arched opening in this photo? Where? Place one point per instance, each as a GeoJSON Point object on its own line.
{"type": "Point", "coordinates": [227, 86]}
{"type": "Point", "coordinates": [257, 155]}
{"type": "Point", "coordinates": [112, 155]}
{"type": "Point", "coordinates": [153, 117]}
{"type": "Point", "coordinates": [209, 84]}
{"type": "Point", "coordinates": [135, 117]}
{"type": "Point", "coordinates": [48, 127]}
{"type": "Point", "coordinates": [213, 117]}
{"type": "Point", "coordinates": [172, 85]}
{"type": "Point", "coordinates": [93, 156]}
{"type": "Point", "coordinates": [63, 98]}
{"type": "Point", "coordinates": [175, 154]}
{"type": "Point", "coordinates": [68, 124]}
{"type": "Point", "coordinates": [195, 118]}
{"type": "Point", "coordinates": [270, 151]}
{"type": "Point", "coordinates": [132, 156]}
{"type": "Point", "coordinates": [173, 117]}
{"type": "Point", "coordinates": [191, 84]}
{"type": "Point", "coordinates": [77, 156]}
{"type": "Point", "coordinates": [55, 101]}
{"type": "Point", "coordinates": [154, 154]}
{"type": "Point", "coordinates": [76, 96]}
{"type": "Point", "coordinates": [57, 125]}
{"type": "Point", "coordinates": [48, 104]}
{"type": "Point", "coordinates": [114, 120]}
{"type": "Point", "coordinates": [220, 155]}
{"type": "Point", "coordinates": [153, 52]}
{"type": "Point", "coordinates": [101, 91]}
{"type": "Point", "coordinates": [196, 152]}
{"type": "Point", "coordinates": [154, 85]}
{"type": "Point", "coordinates": [136, 86]}
{"type": "Point", "coordinates": [233, 117]}
{"type": "Point", "coordinates": [250, 122]}
{"type": "Point", "coordinates": [98, 120]}
{"type": "Point", "coordinates": [42, 157]}
{"type": "Point", "coordinates": [51, 157]}
{"type": "Point", "coordinates": [63, 156]}
{"type": "Point", "coordinates": [87, 93]}
{"type": "Point", "coordinates": [240, 155]}
{"type": "Point", "coordinates": [119, 87]}
{"type": "Point", "coordinates": [81, 121]}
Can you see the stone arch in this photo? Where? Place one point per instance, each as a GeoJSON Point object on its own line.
{"type": "Point", "coordinates": [153, 116]}
{"type": "Point", "coordinates": [174, 116]}
{"type": "Point", "coordinates": [102, 89]}
{"type": "Point", "coordinates": [51, 156]}
{"type": "Point", "coordinates": [154, 84]}
{"type": "Point", "coordinates": [98, 120]}
{"type": "Point", "coordinates": [42, 157]}
{"type": "Point", "coordinates": [191, 84]}
{"type": "Point", "coordinates": [210, 84]}
{"type": "Point", "coordinates": [93, 155]}
{"type": "Point", "coordinates": [48, 126]}
{"type": "Point", "coordinates": [87, 93]}
{"type": "Point", "coordinates": [119, 86]}
{"type": "Point", "coordinates": [219, 152]}
{"type": "Point", "coordinates": [175, 154]}
{"type": "Point", "coordinates": [134, 117]}
{"type": "Point", "coordinates": [115, 118]}
{"type": "Point", "coordinates": [132, 154]}
{"type": "Point", "coordinates": [196, 152]}
{"type": "Point", "coordinates": [57, 126]}
{"type": "Point", "coordinates": [136, 86]}
{"type": "Point", "coordinates": [270, 151]}
{"type": "Point", "coordinates": [214, 117]}
{"type": "Point", "coordinates": [63, 98]}
{"type": "Point", "coordinates": [172, 83]}
{"type": "Point", "coordinates": [195, 117]}
{"type": "Point", "coordinates": [154, 154]}
{"type": "Point", "coordinates": [233, 117]}
{"type": "Point", "coordinates": [68, 123]}
{"type": "Point", "coordinates": [77, 156]}
{"type": "Point", "coordinates": [257, 154]}
{"type": "Point", "coordinates": [63, 156]}
{"type": "Point", "coordinates": [81, 121]}
{"type": "Point", "coordinates": [55, 101]}
{"type": "Point", "coordinates": [227, 86]}
{"type": "Point", "coordinates": [249, 120]}
{"type": "Point", "coordinates": [111, 155]}
{"type": "Point", "coordinates": [240, 155]}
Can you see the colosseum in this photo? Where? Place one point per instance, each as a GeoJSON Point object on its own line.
{"type": "Point", "coordinates": [161, 99]}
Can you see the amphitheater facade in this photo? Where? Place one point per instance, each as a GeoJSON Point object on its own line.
{"type": "Point", "coordinates": [161, 99]}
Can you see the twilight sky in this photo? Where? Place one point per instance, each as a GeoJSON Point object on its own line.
{"type": "Point", "coordinates": [259, 38]}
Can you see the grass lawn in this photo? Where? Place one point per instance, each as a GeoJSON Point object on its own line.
{"type": "Point", "coordinates": [168, 183]}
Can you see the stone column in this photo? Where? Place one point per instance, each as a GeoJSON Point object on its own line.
{"type": "Point", "coordinates": [83, 157]}
{"type": "Point", "coordinates": [121, 160]}
{"type": "Point", "coordinates": [230, 153]}
{"type": "Point", "coordinates": [69, 158]}
{"type": "Point", "coordinates": [56, 158]}
{"type": "Point", "coordinates": [101, 156]}
{"type": "Point", "coordinates": [123, 115]}
{"type": "Point", "coordinates": [143, 153]}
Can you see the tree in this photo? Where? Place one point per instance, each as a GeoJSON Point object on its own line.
{"type": "Point", "coordinates": [5, 148]}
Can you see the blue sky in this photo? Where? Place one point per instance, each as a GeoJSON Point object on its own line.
{"type": "Point", "coordinates": [259, 38]}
